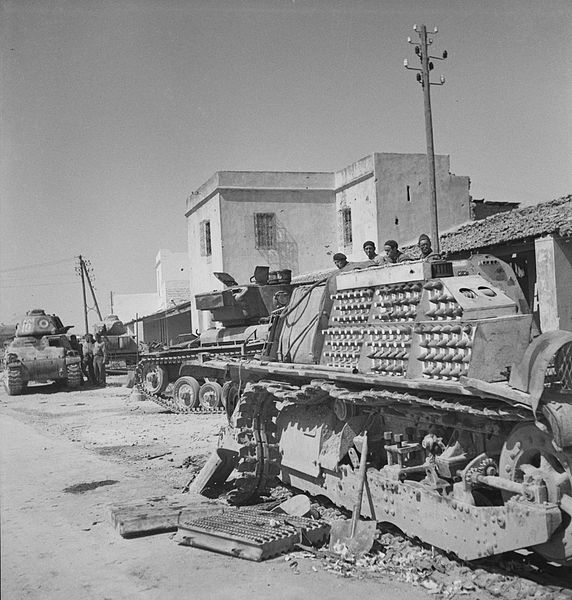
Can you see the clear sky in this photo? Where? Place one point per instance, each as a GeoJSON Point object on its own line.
{"type": "Point", "coordinates": [112, 113]}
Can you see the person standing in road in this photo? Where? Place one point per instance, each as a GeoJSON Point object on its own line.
{"type": "Point", "coordinates": [99, 359]}
{"type": "Point", "coordinates": [87, 360]}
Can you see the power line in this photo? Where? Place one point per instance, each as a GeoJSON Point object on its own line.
{"type": "Point", "coordinates": [40, 284]}
{"type": "Point", "coordinates": [46, 264]}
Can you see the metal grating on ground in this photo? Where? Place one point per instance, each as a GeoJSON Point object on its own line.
{"type": "Point", "coordinates": [250, 534]}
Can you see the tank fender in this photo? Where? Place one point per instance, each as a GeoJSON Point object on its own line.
{"type": "Point", "coordinates": [559, 416]}
{"type": "Point", "coordinates": [528, 374]}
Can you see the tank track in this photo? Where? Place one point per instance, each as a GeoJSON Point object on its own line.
{"type": "Point", "coordinates": [167, 402]}
{"type": "Point", "coordinates": [74, 376]}
{"type": "Point", "coordinates": [164, 400]}
{"type": "Point", "coordinates": [13, 381]}
{"type": "Point", "coordinates": [255, 432]}
{"type": "Point", "coordinates": [255, 422]}
{"type": "Point", "coordinates": [319, 390]}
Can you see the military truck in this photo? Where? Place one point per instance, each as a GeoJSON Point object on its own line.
{"type": "Point", "coordinates": [40, 352]}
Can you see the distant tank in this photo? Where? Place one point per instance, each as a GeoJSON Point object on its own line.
{"type": "Point", "coordinates": [40, 352]}
{"type": "Point", "coordinates": [121, 347]}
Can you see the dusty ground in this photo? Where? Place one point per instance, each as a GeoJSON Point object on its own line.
{"type": "Point", "coordinates": [57, 540]}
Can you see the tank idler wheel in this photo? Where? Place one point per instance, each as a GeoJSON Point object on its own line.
{"type": "Point", "coordinates": [210, 395]}
{"type": "Point", "coordinates": [186, 392]}
{"type": "Point", "coordinates": [230, 397]}
{"type": "Point", "coordinates": [74, 376]}
{"type": "Point", "coordinates": [156, 379]}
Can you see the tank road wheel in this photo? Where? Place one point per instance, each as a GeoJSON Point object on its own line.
{"type": "Point", "coordinates": [186, 392]}
{"type": "Point", "coordinates": [230, 397]}
{"type": "Point", "coordinates": [155, 379]}
{"type": "Point", "coordinates": [14, 382]}
{"type": "Point", "coordinates": [74, 376]}
{"type": "Point", "coordinates": [529, 453]}
{"type": "Point", "coordinates": [210, 395]}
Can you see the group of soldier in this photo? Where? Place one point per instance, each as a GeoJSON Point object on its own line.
{"type": "Point", "coordinates": [93, 353]}
{"type": "Point", "coordinates": [391, 255]}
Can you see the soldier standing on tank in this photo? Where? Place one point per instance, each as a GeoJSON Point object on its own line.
{"type": "Point", "coordinates": [87, 361]}
{"type": "Point", "coordinates": [427, 252]}
{"type": "Point", "coordinates": [99, 359]}
{"type": "Point", "coordinates": [392, 253]}
{"type": "Point", "coordinates": [340, 260]}
{"type": "Point", "coordinates": [371, 252]}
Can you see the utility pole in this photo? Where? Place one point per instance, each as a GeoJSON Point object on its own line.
{"type": "Point", "coordinates": [80, 271]}
{"type": "Point", "coordinates": [83, 272]}
{"type": "Point", "coordinates": [422, 51]}
{"type": "Point", "coordinates": [92, 292]}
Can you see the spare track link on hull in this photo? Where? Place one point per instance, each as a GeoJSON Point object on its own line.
{"type": "Point", "coordinates": [318, 391]}
{"type": "Point", "coordinates": [164, 400]}
{"type": "Point", "coordinates": [255, 433]}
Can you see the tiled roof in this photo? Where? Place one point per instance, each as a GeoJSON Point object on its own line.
{"type": "Point", "coordinates": [519, 224]}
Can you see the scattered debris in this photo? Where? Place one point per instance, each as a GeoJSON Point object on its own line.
{"type": "Point", "coordinates": [80, 488]}
{"type": "Point", "coordinates": [153, 456]}
{"type": "Point", "coordinates": [297, 506]}
{"type": "Point", "coordinates": [215, 471]}
{"type": "Point", "coordinates": [161, 514]}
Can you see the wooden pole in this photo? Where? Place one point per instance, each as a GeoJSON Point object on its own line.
{"type": "Point", "coordinates": [81, 268]}
{"type": "Point", "coordinates": [429, 136]}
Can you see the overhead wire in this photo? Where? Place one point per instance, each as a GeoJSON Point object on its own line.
{"type": "Point", "coordinates": [46, 264]}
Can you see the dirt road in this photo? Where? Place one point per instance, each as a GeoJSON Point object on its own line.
{"type": "Point", "coordinates": [58, 544]}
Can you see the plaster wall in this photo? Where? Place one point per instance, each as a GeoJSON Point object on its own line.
{"type": "Point", "coordinates": [355, 189]}
{"type": "Point", "coordinates": [402, 194]}
{"type": "Point", "coordinates": [305, 230]}
{"type": "Point", "coordinates": [554, 282]}
{"type": "Point", "coordinates": [305, 218]}
{"type": "Point", "coordinates": [201, 268]}
{"type": "Point", "coordinates": [172, 273]}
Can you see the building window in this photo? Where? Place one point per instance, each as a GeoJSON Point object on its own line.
{"type": "Point", "coordinates": [346, 214]}
{"type": "Point", "coordinates": [206, 248]}
{"type": "Point", "coordinates": [265, 231]}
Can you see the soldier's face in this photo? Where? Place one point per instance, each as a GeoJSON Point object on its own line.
{"type": "Point", "coordinates": [370, 251]}
{"type": "Point", "coordinates": [425, 246]}
{"type": "Point", "coordinates": [390, 251]}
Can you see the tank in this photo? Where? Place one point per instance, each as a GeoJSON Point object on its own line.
{"type": "Point", "coordinates": [176, 378]}
{"type": "Point", "coordinates": [467, 408]}
{"type": "Point", "coordinates": [122, 351]}
{"type": "Point", "coordinates": [40, 352]}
